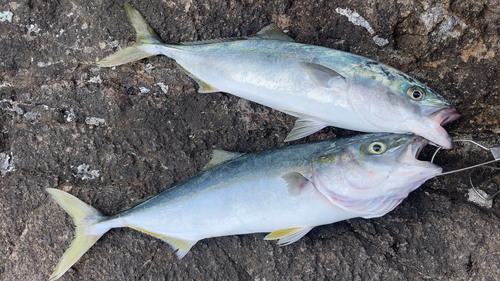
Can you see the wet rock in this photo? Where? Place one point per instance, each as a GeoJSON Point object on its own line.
{"type": "Point", "coordinates": [114, 136]}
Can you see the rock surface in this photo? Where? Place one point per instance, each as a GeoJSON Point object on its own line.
{"type": "Point", "coordinates": [114, 136]}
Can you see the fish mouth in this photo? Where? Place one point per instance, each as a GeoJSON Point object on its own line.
{"type": "Point", "coordinates": [427, 169]}
{"type": "Point", "coordinates": [446, 115]}
{"type": "Point", "coordinates": [431, 127]}
{"type": "Point", "coordinates": [441, 118]}
{"type": "Point", "coordinates": [412, 149]}
{"type": "Point", "coordinates": [416, 171]}
{"type": "Point", "coordinates": [417, 146]}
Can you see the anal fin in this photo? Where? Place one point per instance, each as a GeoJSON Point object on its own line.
{"type": "Point", "coordinates": [182, 246]}
{"type": "Point", "coordinates": [305, 125]}
{"type": "Point", "coordinates": [204, 87]}
{"type": "Point", "coordinates": [288, 236]}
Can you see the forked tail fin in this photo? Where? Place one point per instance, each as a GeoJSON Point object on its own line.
{"type": "Point", "coordinates": [84, 216]}
{"type": "Point", "coordinates": [146, 45]}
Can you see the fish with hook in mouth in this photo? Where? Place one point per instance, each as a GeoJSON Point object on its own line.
{"type": "Point", "coordinates": [284, 192]}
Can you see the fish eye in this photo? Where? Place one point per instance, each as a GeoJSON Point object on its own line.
{"type": "Point", "coordinates": [416, 94]}
{"type": "Point", "coordinates": [377, 148]}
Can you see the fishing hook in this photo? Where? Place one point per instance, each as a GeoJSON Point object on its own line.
{"type": "Point", "coordinates": [496, 154]}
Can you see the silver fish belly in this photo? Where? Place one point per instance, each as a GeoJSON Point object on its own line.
{"type": "Point", "coordinates": [321, 86]}
{"type": "Point", "coordinates": [285, 191]}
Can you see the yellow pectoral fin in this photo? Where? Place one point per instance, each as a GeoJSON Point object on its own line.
{"type": "Point", "coordinates": [288, 236]}
{"type": "Point", "coordinates": [181, 245]}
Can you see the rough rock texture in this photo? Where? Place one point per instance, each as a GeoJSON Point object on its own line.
{"type": "Point", "coordinates": [114, 136]}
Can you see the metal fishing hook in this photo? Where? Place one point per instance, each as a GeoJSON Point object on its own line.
{"type": "Point", "coordinates": [496, 154]}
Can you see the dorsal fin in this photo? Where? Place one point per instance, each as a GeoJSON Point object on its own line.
{"type": "Point", "coordinates": [221, 156]}
{"type": "Point", "coordinates": [271, 32]}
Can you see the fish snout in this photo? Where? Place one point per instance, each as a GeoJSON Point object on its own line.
{"type": "Point", "coordinates": [441, 118]}
{"type": "Point", "coordinates": [431, 127]}
{"type": "Point", "coordinates": [440, 137]}
{"type": "Point", "coordinates": [428, 129]}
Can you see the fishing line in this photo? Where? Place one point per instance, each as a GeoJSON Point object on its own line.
{"type": "Point", "coordinates": [496, 154]}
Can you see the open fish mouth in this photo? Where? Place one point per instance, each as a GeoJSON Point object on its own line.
{"type": "Point", "coordinates": [447, 115]}
{"type": "Point", "coordinates": [418, 145]}
{"type": "Point", "coordinates": [432, 127]}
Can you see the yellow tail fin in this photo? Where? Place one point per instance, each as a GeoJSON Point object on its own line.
{"type": "Point", "coordinates": [144, 46]}
{"type": "Point", "coordinates": [84, 216]}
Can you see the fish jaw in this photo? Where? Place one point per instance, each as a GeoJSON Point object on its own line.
{"type": "Point", "coordinates": [424, 170]}
{"type": "Point", "coordinates": [430, 127]}
{"type": "Point", "coordinates": [412, 172]}
{"type": "Point", "coordinates": [445, 115]}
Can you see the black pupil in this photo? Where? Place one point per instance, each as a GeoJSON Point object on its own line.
{"type": "Point", "coordinates": [377, 147]}
{"type": "Point", "coordinates": [417, 94]}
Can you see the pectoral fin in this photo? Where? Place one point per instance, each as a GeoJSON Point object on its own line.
{"type": "Point", "coordinates": [221, 156]}
{"type": "Point", "coordinates": [305, 125]}
{"type": "Point", "coordinates": [182, 246]}
{"type": "Point", "coordinates": [203, 86]}
{"type": "Point", "coordinates": [296, 182]}
{"type": "Point", "coordinates": [322, 75]}
{"type": "Point", "coordinates": [288, 236]}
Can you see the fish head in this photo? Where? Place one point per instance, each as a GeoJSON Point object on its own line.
{"type": "Point", "coordinates": [372, 174]}
{"type": "Point", "coordinates": [392, 101]}
{"type": "Point", "coordinates": [431, 112]}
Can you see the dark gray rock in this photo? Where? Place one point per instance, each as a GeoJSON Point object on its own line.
{"type": "Point", "coordinates": [114, 136]}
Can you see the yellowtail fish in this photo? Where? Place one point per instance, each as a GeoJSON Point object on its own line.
{"type": "Point", "coordinates": [284, 191]}
{"type": "Point", "coordinates": [321, 86]}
